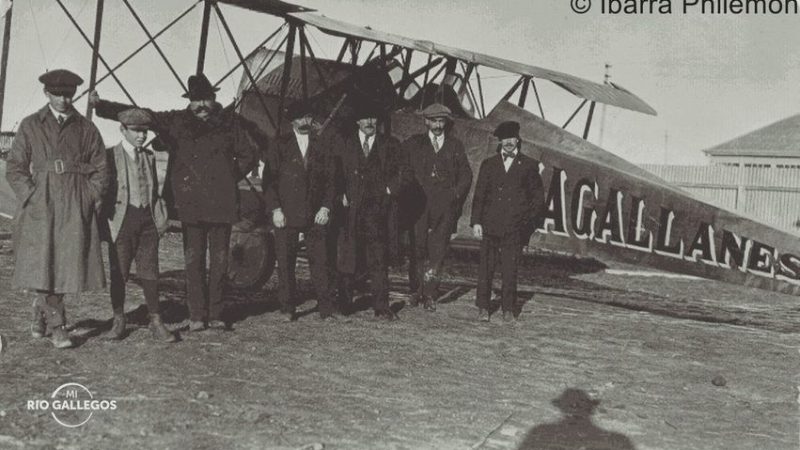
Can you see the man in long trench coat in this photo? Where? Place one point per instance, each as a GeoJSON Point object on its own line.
{"type": "Point", "coordinates": [57, 169]}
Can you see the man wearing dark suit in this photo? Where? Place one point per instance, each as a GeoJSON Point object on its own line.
{"type": "Point", "coordinates": [506, 209]}
{"type": "Point", "coordinates": [136, 217]}
{"type": "Point", "coordinates": [373, 173]}
{"type": "Point", "coordinates": [299, 192]}
{"type": "Point", "coordinates": [211, 149]}
{"type": "Point", "coordinates": [443, 178]}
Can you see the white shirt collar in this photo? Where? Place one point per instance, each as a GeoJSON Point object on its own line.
{"type": "Point", "coordinates": [302, 142]}
{"type": "Point", "coordinates": [439, 139]}
{"type": "Point", "coordinates": [370, 140]}
{"type": "Point", "coordinates": [129, 149]}
{"type": "Point", "coordinates": [56, 114]}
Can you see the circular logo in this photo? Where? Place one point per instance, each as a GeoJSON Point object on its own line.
{"type": "Point", "coordinates": [71, 404]}
{"type": "Point", "coordinates": [581, 6]}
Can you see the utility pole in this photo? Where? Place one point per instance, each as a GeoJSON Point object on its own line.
{"type": "Point", "coordinates": [606, 77]}
{"type": "Point", "coordinates": [4, 61]}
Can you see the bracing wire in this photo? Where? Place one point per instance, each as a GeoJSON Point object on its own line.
{"type": "Point", "coordinates": [224, 50]}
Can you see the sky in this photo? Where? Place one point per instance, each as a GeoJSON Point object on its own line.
{"type": "Point", "coordinates": [710, 77]}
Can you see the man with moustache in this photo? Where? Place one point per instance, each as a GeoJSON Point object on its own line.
{"type": "Point", "coordinates": [57, 169]}
{"type": "Point", "coordinates": [443, 178]}
{"type": "Point", "coordinates": [136, 216]}
{"type": "Point", "coordinates": [507, 207]}
{"type": "Point", "coordinates": [299, 191]}
{"type": "Point", "coordinates": [210, 151]}
{"type": "Point", "coordinates": [373, 173]}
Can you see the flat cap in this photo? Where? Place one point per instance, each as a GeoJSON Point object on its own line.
{"type": "Point", "coordinates": [507, 130]}
{"type": "Point", "coordinates": [60, 81]}
{"type": "Point", "coordinates": [435, 110]}
{"type": "Point", "coordinates": [135, 119]}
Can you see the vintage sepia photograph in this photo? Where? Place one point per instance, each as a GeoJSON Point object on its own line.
{"type": "Point", "coordinates": [373, 224]}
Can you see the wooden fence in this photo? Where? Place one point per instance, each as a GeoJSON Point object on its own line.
{"type": "Point", "coordinates": [768, 195]}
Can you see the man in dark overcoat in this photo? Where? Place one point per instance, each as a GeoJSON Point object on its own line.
{"type": "Point", "coordinates": [443, 178]}
{"type": "Point", "coordinates": [373, 173]}
{"type": "Point", "coordinates": [210, 151]}
{"type": "Point", "coordinates": [507, 207]}
{"type": "Point", "coordinates": [57, 169]}
{"type": "Point", "coordinates": [299, 191]}
{"type": "Point", "coordinates": [136, 217]}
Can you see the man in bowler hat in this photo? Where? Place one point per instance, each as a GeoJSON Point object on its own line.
{"type": "Point", "coordinates": [211, 149]}
{"type": "Point", "coordinates": [57, 169]}
{"type": "Point", "coordinates": [507, 207]}
{"type": "Point", "coordinates": [136, 217]}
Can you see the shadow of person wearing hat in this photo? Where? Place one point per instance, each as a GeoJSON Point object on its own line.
{"type": "Point", "coordinates": [575, 430]}
{"type": "Point", "coordinates": [211, 150]}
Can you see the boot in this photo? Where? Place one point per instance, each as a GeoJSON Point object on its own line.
{"type": "Point", "coordinates": [60, 338]}
{"type": "Point", "coordinates": [159, 330]}
{"type": "Point", "coordinates": [38, 326]}
{"type": "Point", "coordinates": [117, 328]}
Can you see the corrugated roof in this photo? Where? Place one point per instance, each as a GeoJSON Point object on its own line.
{"type": "Point", "coordinates": [781, 138]}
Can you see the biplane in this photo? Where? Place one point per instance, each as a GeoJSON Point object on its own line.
{"type": "Point", "coordinates": [598, 204]}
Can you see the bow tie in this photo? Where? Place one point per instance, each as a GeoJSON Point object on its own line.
{"type": "Point", "coordinates": [507, 155]}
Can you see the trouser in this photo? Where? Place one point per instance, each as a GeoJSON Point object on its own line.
{"type": "Point", "coordinates": [137, 240]}
{"type": "Point", "coordinates": [316, 237]}
{"type": "Point", "coordinates": [431, 239]}
{"type": "Point", "coordinates": [371, 254]}
{"type": "Point", "coordinates": [205, 300]}
{"type": "Point", "coordinates": [507, 250]}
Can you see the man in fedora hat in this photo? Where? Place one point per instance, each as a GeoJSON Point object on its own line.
{"type": "Point", "coordinates": [443, 178]}
{"type": "Point", "coordinates": [299, 192]}
{"type": "Point", "coordinates": [136, 216]}
{"type": "Point", "coordinates": [507, 206]}
{"type": "Point", "coordinates": [57, 169]}
{"type": "Point", "coordinates": [211, 149]}
{"type": "Point", "coordinates": [373, 175]}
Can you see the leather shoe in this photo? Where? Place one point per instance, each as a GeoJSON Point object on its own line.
{"type": "Point", "coordinates": [217, 324]}
{"type": "Point", "coordinates": [387, 315]}
{"type": "Point", "coordinates": [60, 338]}
{"type": "Point", "coordinates": [197, 325]}
{"type": "Point", "coordinates": [38, 326]}
{"type": "Point", "coordinates": [508, 317]}
{"type": "Point", "coordinates": [429, 304]}
{"type": "Point", "coordinates": [483, 315]}
{"type": "Point", "coordinates": [117, 328]}
{"type": "Point", "coordinates": [413, 300]}
{"type": "Point", "coordinates": [287, 317]}
{"type": "Point", "coordinates": [159, 330]}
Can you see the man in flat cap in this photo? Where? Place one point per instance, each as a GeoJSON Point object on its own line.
{"type": "Point", "coordinates": [443, 178]}
{"type": "Point", "coordinates": [57, 169]}
{"type": "Point", "coordinates": [211, 149]}
{"type": "Point", "coordinates": [507, 207]}
{"type": "Point", "coordinates": [374, 174]}
{"type": "Point", "coordinates": [137, 217]}
{"type": "Point", "coordinates": [300, 192]}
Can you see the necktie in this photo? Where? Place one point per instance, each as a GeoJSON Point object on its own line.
{"type": "Point", "coordinates": [365, 147]}
{"type": "Point", "coordinates": [60, 119]}
{"type": "Point", "coordinates": [435, 142]}
{"type": "Point", "coordinates": [141, 169]}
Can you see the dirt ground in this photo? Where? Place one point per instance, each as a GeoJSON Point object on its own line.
{"type": "Point", "coordinates": [598, 359]}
